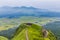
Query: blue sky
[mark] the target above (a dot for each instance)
(44, 4)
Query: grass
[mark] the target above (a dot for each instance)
(34, 32)
(3, 38)
(46, 39)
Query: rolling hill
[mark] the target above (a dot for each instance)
(30, 31)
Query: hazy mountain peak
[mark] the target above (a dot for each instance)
(30, 7)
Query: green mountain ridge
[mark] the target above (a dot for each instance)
(29, 31)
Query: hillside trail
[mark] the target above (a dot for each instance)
(26, 32)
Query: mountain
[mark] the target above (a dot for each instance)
(12, 12)
(30, 31)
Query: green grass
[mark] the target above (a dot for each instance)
(3, 38)
(34, 32)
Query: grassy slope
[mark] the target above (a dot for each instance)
(3, 38)
(34, 32)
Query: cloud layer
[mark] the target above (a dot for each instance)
(45, 4)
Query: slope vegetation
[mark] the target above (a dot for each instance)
(3, 38)
(30, 31)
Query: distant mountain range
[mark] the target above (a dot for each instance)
(12, 12)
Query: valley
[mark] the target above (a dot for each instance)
(8, 26)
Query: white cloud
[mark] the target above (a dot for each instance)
(48, 4)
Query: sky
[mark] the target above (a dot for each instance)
(43, 4)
